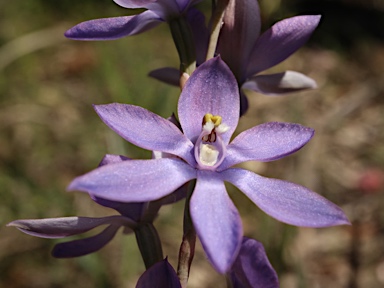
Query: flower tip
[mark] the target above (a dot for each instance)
(315, 19)
(216, 59)
(339, 218)
(70, 34)
(312, 131)
(20, 225)
(67, 34)
(72, 186)
(313, 85)
(13, 224)
(344, 220)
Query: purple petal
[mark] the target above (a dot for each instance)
(252, 268)
(146, 129)
(163, 8)
(287, 202)
(130, 210)
(160, 275)
(176, 196)
(65, 226)
(266, 142)
(243, 103)
(111, 158)
(280, 83)
(113, 28)
(280, 41)
(167, 75)
(200, 33)
(133, 211)
(216, 220)
(238, 35)
(212, 88)
(185, 4)
(134, 4)
(135, 180)
(85, 246)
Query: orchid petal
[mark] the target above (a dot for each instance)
(252, 268)
(65, 226)
(216, 220)
(185, 4)
(111, 158)
(200, 33)
(146, 129)
(165, 9)
(243, 103)
(135, 180)
(130, 210)
(266, 142)
(212, 88)
(287, 202)
(176, 196)
(280, 41)
(134, 4)
(241, 28)
(114, 27)
(167, 75)
(159, 275)
(279, 83)
(84, 246)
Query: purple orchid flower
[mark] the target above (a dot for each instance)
(251, 268)
(158, 11)
(247, 53)
(160, 275)
(208, 111)
(131, 216)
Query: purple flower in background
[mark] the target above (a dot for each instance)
(160, 275)
(158, 11)
(251, 268)
(208, 112)
(248, 53)
(131, 216)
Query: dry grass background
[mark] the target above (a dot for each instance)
(50, 134)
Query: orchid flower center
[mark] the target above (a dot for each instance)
(209, 148)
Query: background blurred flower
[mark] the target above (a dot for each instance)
(251, 268)
(248, 53)
(158, 11)
(161, 275)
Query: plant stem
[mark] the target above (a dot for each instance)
(149, 244)
(182, 37)
(187, 247)
(217, 19)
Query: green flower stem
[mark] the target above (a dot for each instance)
(187, 247)
(182, 36)
(217, 19)
(149, 244)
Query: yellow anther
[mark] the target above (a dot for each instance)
(215, 119)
